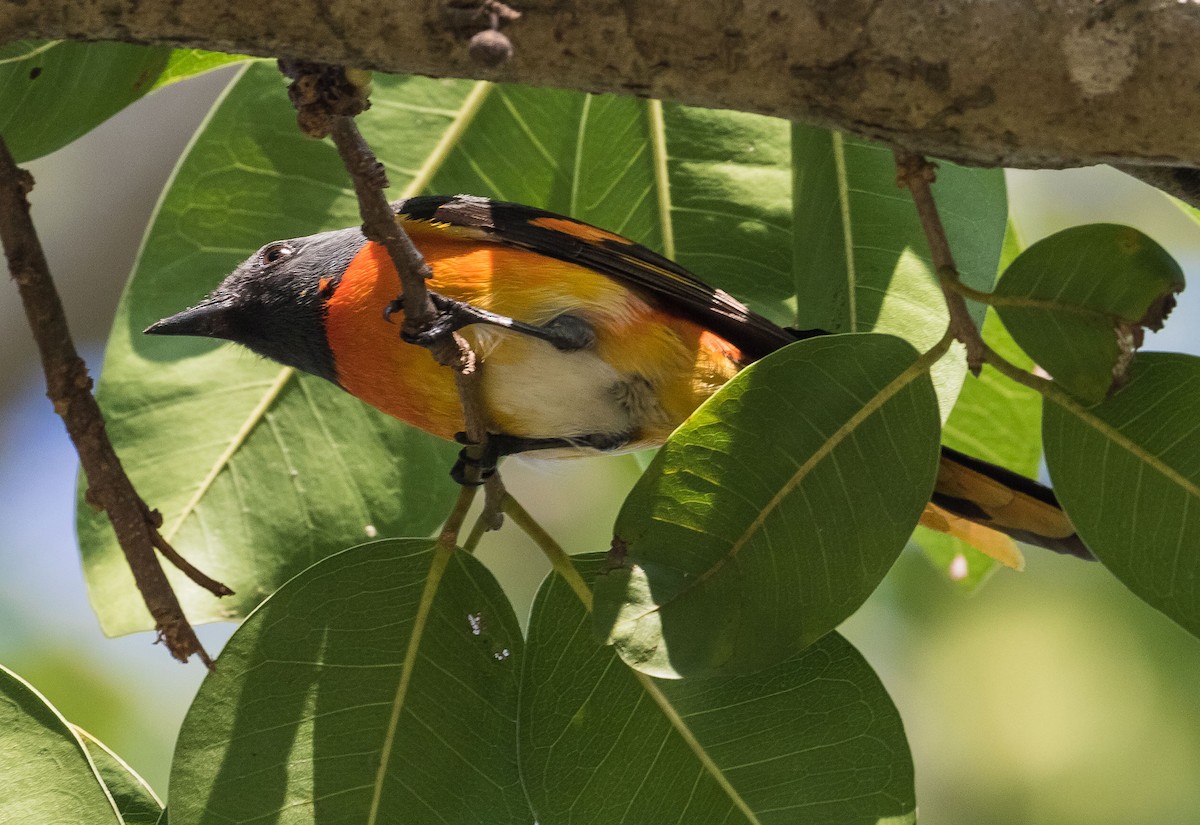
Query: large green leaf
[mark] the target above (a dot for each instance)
(1077, 302)
(45, 772)
(861, 261)
(259, 471)
(53, 92)
(135, 800)
(775, 510)
(709, 189)
(812, 739)
(357, 693)
(1127, 471)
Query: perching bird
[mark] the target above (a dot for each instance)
(589, 341)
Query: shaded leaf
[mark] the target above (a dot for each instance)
(774, 510)
(814, 738)
(45, 772)
(861, 262)
(136, 801)
(53, 92)
(354, 694)
(1078, 300)
(1127, 472)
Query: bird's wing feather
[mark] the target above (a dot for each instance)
(675, 289)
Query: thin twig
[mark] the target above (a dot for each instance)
(448, 538)
(327, 99)
(916, 174)
(475, 536)
(69, 386)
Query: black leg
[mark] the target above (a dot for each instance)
(500, 445)
(566, 332)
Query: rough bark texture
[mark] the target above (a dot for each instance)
(1031, 83)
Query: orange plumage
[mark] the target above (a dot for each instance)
(647, 371)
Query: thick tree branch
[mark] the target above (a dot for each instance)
(1027, 83)
(69, 388)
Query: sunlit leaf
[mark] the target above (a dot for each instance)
(185, 63)
(744, 543)
(354, 694)
(706, 188)
(1077, 302)
(861, 260)
(814, 738)
(1127, 471)
(53, 92)
(45, 772)
(135, 800)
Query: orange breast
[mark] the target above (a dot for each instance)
(681, 362)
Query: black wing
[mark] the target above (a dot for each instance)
(567, 239)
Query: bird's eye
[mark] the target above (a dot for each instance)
(274, 253)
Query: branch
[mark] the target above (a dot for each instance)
(1114, 80)
(917, 175)
(69, 388)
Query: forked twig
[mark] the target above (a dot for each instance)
(917, 174)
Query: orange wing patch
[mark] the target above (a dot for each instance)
(578, 230)
(1005, 506)
(987, 541)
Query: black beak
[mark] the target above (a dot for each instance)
(209, 319)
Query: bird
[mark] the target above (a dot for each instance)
(591, 343)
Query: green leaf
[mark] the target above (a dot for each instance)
(185, 63)
(774, 510)
(861, 262)
(135, 800)
(994, 419)
(45, 771)
(258, 471)
(1077, 301)
(707, 188)
(54, 92)
(357, 693)
(814, 738)
(1127, 472)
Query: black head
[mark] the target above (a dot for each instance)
(274, 302)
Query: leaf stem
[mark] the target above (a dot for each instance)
(476, 534)
(559, 560)
(448, 538)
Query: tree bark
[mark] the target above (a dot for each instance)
(1027, 83)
